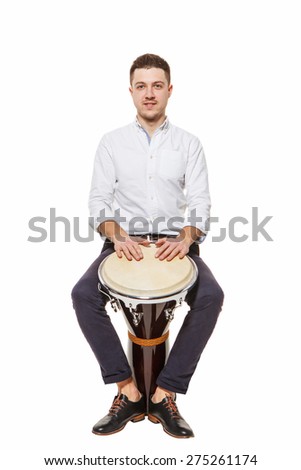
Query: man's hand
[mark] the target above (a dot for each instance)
(129, 247)
(123, 243)
(168, 248)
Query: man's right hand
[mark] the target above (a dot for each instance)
(123, 243)
(129, 247)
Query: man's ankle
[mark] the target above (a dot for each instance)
(161, 393)
(128, 388)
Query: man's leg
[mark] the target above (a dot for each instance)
(95, 323)
(205, 301)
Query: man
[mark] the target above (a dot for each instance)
(150, 177)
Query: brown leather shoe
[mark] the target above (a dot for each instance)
(167, 413)
(121, 412)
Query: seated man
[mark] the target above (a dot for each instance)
(154, 172)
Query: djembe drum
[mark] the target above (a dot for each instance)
(147, 292)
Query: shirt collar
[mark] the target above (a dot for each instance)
(164, 126)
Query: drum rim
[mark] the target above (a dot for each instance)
(144, 297)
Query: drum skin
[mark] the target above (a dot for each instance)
(148, 278)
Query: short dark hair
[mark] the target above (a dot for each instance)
(147, 61)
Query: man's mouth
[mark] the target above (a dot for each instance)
(149, 104)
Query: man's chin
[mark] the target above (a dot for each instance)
(151, 116)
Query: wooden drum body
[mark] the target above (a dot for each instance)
(147, 291)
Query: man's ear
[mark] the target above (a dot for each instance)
(131, 90)
(170, 88)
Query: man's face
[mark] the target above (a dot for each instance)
(150, 92)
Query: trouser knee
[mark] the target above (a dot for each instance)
(85, 294)
(217, 296)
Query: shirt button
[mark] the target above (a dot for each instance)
(151, 156)
(150, 177)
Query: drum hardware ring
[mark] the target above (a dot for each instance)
(169, 312)
(169, 315)
(136, 315)
(114, 302)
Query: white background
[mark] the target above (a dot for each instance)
(236, 75)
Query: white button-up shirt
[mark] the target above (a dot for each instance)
(150, 185)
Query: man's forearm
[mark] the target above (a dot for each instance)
(190, 234)
(112, 230)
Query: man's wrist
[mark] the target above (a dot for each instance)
(190, 234)
(113, 231)
(120, 237)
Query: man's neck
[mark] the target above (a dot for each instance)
(151, 126)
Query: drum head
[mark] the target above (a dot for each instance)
(149, 277)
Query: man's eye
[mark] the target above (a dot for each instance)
(158, 86)
(140, 86)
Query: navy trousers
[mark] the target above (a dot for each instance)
(205, 301)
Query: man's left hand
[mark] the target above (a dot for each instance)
(168, 248)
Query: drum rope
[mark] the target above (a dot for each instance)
(148, 342)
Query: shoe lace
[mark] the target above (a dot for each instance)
(172, 407)
(117, 405)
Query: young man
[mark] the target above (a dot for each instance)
(156, 172)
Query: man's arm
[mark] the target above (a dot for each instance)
(198, 206)
(102, 185)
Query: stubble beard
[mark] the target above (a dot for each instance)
(154, 117)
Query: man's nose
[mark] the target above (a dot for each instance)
(149, 92)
